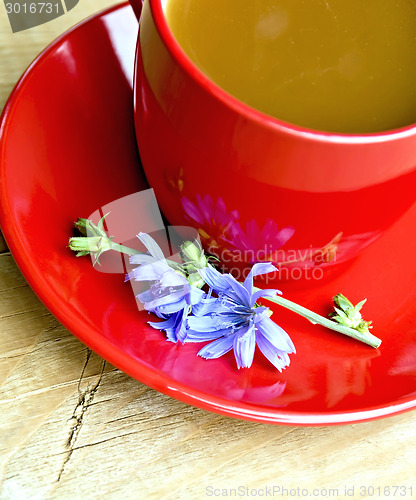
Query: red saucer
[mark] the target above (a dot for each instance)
(68, 148)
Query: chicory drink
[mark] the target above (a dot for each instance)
(335, 65)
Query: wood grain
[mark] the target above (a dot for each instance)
(72, 426)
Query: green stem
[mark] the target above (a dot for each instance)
(122, 249)
(315, 318)
(131, 251)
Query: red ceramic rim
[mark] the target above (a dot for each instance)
(187, 65)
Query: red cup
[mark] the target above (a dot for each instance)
(256, 188)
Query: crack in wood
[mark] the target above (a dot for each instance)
(85, 398)
(88, 445)
(12, 288)
(14, 356)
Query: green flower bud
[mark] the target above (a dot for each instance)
(193, 256)
(94, 242)
(349, 315)
(196, 280)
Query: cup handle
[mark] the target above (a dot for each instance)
(137, 7)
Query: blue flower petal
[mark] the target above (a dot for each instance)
(217, 348)
(171, 335)
(212, 305)
(237, 291)
(214, 279)
(141, 258)
(256, 270)
(225, 283)
(222, 283)
(151, 245)
(167, 304)
(244, 345)
(211, 323)
(275, 335)
(261, 313)
(181, 330)
(228, 285)
(207, 305)
(151, 272)
(169, 327)
(172, 278)
(195, 295)
(278, 358)
(262, 268)
(145, 297)
(162, 325)
(263, 293)
(194, 336)
(174, 326)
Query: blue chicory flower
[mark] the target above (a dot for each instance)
(170, 296)
(233, 320)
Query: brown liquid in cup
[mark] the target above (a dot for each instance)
(335, 65)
